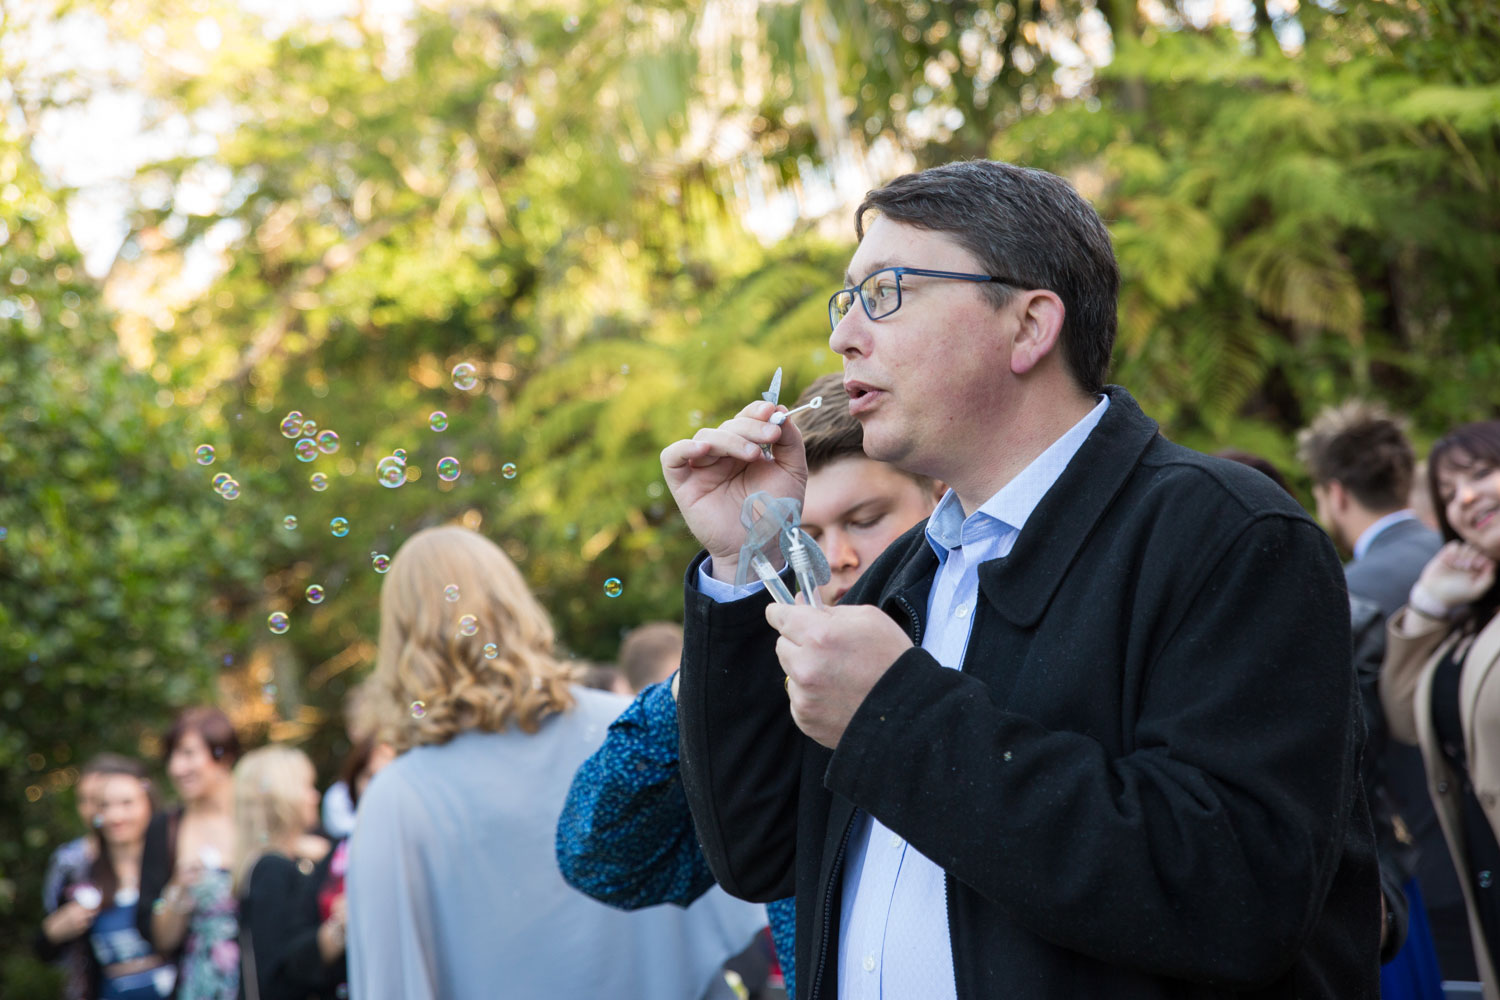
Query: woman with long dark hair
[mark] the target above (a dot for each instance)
(1439, 684)
(101, 908)
(188, 907)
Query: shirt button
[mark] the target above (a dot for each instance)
(962, 611)
(896, 840)
(869, 963)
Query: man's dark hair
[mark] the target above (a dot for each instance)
(1365, 448)
(1026, 225)
(831, 432)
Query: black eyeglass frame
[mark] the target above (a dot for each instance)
(854, 292)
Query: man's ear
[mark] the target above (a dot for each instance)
(938, 489)
(1040, 314)
(1338, 496)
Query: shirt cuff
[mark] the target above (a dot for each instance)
(718, 591)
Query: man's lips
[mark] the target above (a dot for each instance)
(862, 395)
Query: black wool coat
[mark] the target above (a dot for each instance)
(1144, 782)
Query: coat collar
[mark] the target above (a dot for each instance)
(1021, 585)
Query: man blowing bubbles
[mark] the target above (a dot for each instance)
(1090, 730)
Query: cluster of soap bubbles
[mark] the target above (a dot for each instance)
(310, 443)
(226, 486)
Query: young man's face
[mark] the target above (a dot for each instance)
(854, 508)
(929, 379)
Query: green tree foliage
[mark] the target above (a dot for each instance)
(115, 578)
(561, 195)
(1296, 228)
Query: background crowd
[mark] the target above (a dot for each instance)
(625, 216)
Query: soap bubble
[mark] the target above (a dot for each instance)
(450, 593)
(613, 587)
(318, 481)
(289, 522)
(438, 421)
(314, 594)
(309, 427)
(491, 651)
(291, 424)
(391, 471)
(418, 709)
(339, 526)
(231, 490)
(219, 482)
(205, 453)
(328, 442)
(508, 470)
(278, 622)
(447, 469)
(399, 453)
(463, 376)
(468, 625)
(380, 562)
(306, 449)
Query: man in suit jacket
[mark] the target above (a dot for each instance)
(1362, 467)
(1092, 729)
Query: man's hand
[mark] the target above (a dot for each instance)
(832, 657)
(711, 474)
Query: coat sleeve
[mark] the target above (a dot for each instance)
(625, 836)
(740, 750)
(1411, 639)
(390, 945)
(1205, 851)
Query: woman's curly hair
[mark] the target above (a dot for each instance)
(425, 657)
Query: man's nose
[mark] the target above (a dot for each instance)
(840, 553)
(851, 337)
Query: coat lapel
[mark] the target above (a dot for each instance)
(1021, 584)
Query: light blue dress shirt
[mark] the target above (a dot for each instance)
(893, 922)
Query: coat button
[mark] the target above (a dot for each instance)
(1486, 878)
(1442, 787)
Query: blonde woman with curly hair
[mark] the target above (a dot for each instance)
(288, 953)
(453, 887)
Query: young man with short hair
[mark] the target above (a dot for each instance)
(625, 836)
(1090, 731)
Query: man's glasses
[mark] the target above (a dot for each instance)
(880, 293)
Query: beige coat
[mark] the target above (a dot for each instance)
(1416, 644)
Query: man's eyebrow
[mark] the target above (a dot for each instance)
(879, 265)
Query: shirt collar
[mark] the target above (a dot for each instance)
(1011, 507)
(1367, 537)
